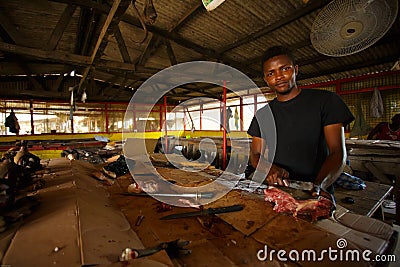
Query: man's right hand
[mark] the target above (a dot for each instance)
(277, 175)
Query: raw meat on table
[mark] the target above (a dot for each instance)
(284, 202)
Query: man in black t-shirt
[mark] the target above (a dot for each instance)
(309, 127)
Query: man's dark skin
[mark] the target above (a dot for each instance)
(394, 126)
(280, 75)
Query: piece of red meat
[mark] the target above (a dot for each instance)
(284, 202)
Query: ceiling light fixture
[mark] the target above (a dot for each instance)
(212, 4)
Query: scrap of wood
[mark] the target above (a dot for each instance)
(374, 152)
(367, 225)
(255, 214)
(372, 143)
(388, 165)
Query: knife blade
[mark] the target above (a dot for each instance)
(299, 190)
(197, 195)
(301, 185)
(209, 211)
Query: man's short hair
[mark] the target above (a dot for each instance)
(277, 51)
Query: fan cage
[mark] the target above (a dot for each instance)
(375, 20)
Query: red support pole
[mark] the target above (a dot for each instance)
(72, 124)
(161, 117)
(165, 123)
(134, 120)
(337, 88)
(241, 114)
(31, 111)
(201, 117)
(106, 111)
(255, 104)
(224, 127)
(184, 120)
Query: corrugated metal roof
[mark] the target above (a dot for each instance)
(57, 36)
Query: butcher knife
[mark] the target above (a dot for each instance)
(196, 195)
(301, 185)
(299, 190)
(209, 211)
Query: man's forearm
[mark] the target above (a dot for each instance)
(260, 163)
(330, 170)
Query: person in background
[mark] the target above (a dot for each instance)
(12, 123)
(309, 127)
(236, 117)
(387, 131)
(228, 117)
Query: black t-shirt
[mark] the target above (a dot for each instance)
(300, 143)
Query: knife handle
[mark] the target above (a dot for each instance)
(206, 195)
(224, 209)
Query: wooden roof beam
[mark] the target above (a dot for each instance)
(121, 45)
(198, 7)
(56, 56)
(108, 85)
(55, 37)
(151, 46)
(155, 41)
(87, 23)
(62, 57)
(172, 36)
(60, 27)
(170, 52)
(114, 16)
(10, 34)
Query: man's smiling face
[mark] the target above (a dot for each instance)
(280, 74)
